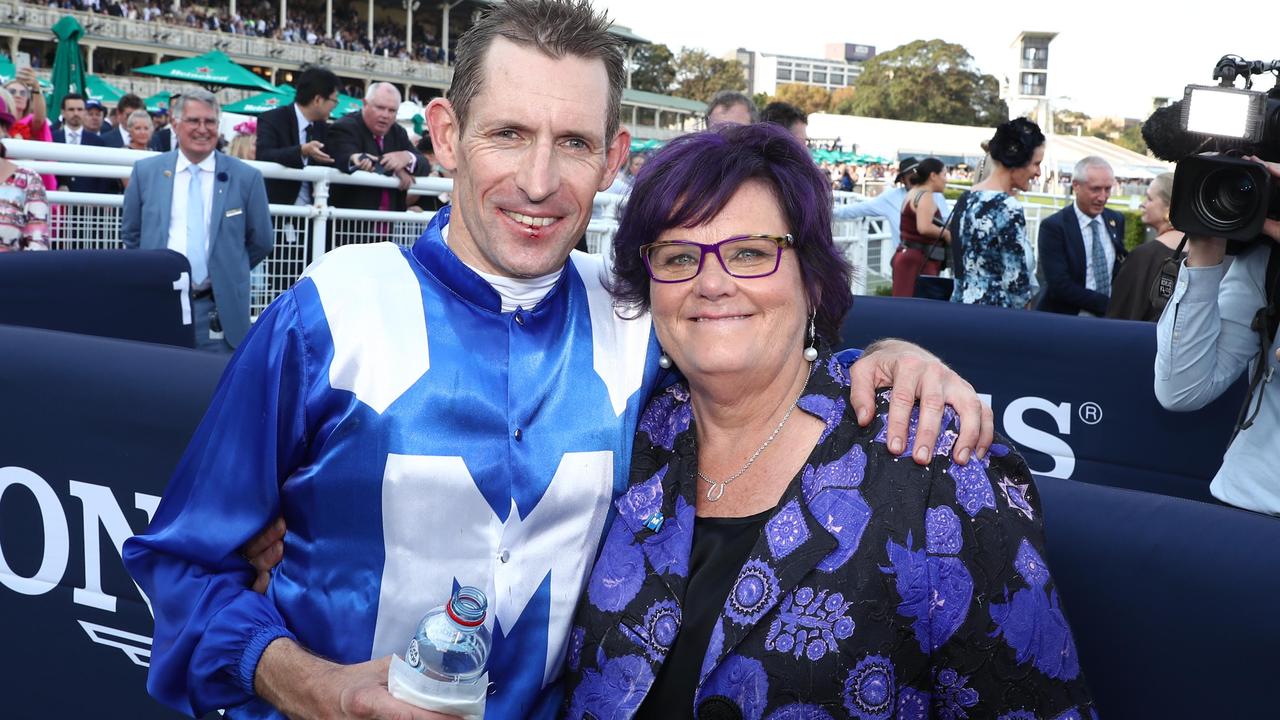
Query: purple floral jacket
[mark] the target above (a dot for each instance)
(878, 589)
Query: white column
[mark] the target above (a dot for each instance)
(408, 26)
(328, 18)
(371, 25)
(88, 60)
(233, 8)
(444, 34)
(284, 18)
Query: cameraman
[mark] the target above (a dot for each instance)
(1205, 339)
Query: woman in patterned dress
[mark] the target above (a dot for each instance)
(24, 211)
(772, 558)
(997, 262)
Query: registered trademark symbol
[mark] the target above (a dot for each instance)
(1090, 413)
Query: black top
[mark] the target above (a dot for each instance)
(1132, 297)
(720, 547)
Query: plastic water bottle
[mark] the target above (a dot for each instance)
(444, 666)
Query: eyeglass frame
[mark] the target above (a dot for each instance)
(783, 241)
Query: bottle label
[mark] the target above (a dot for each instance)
(412, 657)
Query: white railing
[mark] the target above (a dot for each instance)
(304, 233)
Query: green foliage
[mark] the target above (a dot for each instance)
(842, 101)
(1069, 122)
(653, 69)
(700, 75)
(1135, 233)
(809, 98)
(929, 81)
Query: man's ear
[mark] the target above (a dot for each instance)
(615, 157)
(442, 123)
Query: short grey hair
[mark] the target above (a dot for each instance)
(730, 98)
(375, 87)
(1082, 167)
(199, 95)
(139, 115)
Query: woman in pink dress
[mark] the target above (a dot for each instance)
(31, 119)
(24, 211)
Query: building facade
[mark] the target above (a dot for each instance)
(840, 68)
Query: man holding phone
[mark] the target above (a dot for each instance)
(372, 141)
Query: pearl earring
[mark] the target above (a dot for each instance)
(664, 362)
(811, 352)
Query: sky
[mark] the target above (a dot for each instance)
(1109, 62)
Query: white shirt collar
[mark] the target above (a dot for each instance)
(303, 122)
(1083, 219)
(208, 164)
(515, 292)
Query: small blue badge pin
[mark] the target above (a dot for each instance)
(654, 521)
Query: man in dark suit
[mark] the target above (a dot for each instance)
(163, 138)
(74, 132)
(295, 135)
(370, 140)
(118, 136)
(1082, 245)
(210, 207)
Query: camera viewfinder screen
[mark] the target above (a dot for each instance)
(1223, 113)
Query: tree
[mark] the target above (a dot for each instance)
(1070, 122)
(929, 81)
(700, 75)
(809, 98)
(653, 69)
(842, 101)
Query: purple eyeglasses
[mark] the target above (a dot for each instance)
(742, 256)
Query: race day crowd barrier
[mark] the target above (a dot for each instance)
(1074, 394)
(1167, 596)
(304, 233)
(132, 296)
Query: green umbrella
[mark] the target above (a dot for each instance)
(98, 89)
(9, 72)
(157, 102)
(213, 70)
(283, 95)
(346, 105)
(262, 102)
(68, 66)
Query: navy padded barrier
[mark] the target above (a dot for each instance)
(127, 294)
(93, 429)
(1172, 601)
(1095, 375)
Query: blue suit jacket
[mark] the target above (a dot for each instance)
(239, 227)
(1062, 259)
(85, 184)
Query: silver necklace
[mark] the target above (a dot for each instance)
(716, 489)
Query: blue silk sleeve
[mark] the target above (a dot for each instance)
(210, 627)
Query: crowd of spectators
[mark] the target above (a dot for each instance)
(262, 19)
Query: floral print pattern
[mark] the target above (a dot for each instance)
(995, 252)
(877, 589)
(24, 212)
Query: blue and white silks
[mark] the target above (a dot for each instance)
(413, 436)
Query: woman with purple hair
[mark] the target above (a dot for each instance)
(771, 558)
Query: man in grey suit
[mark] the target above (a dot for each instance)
(207, 206)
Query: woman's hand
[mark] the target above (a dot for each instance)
(916, 375)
